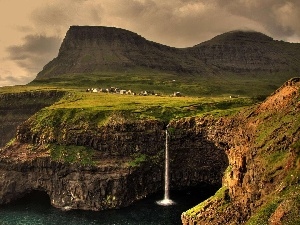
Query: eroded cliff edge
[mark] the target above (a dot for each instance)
(110, 166)
(261, 184)
(16, 108)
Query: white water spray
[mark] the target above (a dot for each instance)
(166, 201)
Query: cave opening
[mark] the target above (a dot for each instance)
(193, 195)
(37, 198)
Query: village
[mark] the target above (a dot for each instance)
(115, 90)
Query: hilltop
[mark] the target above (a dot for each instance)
(248, 52)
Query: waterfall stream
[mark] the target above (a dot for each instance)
(166, 201)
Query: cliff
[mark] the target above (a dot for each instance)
(108, 167)
(15, 108)
(261, 184)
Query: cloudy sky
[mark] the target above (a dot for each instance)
(32, 30)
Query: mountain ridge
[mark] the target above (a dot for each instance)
(87, 49)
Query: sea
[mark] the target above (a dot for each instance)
(35, 209)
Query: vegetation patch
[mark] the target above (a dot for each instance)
(137, 160)
(221, 196)
(96, 109)
(263, 214)
(141, 79)
(10, 143)
(72, 154)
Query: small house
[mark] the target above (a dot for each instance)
(177, 94)
(122, 92)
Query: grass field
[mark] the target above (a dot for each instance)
(202, 94)
(84, 109)
(226, 84)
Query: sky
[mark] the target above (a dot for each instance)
(32, 30)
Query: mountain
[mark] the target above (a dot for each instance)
(90, 49)
(248, 52)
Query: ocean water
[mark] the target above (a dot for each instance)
(35, 209)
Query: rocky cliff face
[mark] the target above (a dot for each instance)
(127, 165)
(261, 184)
(15, 108)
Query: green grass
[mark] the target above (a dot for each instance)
(251, 85)
(267, 131)
(96, 109)
(219, 195)
(289, 201)
(71, 154)
(137, 160)
(27, 88)
(261, 217)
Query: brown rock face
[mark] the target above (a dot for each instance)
(196, 156)
(262, 179)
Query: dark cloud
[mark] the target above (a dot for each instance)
(187, 21)
(25, 29)
(134, 8)
(178, 23)
(51, 14)
(7, 78)
(279, 17)
(59, 15)
(35, 52)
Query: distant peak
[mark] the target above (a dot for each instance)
(247, 34)
(240, 36)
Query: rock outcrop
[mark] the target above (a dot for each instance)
(127, 162)
(263, 174)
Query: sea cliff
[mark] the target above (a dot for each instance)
(261, 184)
(121, 162)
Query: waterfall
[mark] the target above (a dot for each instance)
(166, 200)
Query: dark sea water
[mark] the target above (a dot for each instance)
(36, 210)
